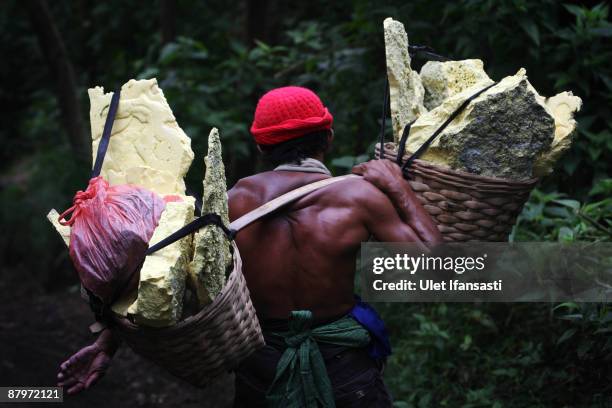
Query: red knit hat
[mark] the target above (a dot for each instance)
(287, 113)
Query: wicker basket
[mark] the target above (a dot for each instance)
(466, 206)
(204, 345)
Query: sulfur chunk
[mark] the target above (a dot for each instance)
(211, 247)
(62, 230)
(149, 149)
(159, 302)
(406, 91)
(147, 146)
(563, 107)
(444, 79)
(499, 134)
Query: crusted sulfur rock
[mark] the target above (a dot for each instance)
(406, 91)
(563, 106)
(444, 79)
(161, 289)
(147, 147)
(499, 134)
(211, 247)
(62, 230)
(123, 304)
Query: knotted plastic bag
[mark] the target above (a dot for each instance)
(110, 230)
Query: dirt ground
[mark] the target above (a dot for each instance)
(38, 331)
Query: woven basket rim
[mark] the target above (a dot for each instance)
(477, 177)
(210, 309)
(464, 175)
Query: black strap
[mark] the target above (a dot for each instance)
(402, 144)
(448, 120)
(105, 139)
(383, 120)
(206, 219)
(425, 51)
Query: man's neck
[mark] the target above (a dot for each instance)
(320, 157)
(308, 165)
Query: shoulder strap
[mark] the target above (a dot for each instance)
(106, 133)
(240, 223)
(283, 200)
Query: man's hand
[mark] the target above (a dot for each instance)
(384, 174)
(388, 178)
(88, 365)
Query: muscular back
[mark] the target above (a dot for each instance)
(303, 256)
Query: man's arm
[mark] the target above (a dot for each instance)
(88, 365)
(413, 218)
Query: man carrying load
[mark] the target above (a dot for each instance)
(300, 262)
(323, 346)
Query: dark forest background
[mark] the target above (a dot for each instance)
(213, 59)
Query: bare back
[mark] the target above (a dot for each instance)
(303, 256)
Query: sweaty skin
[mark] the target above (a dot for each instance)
(303, 257)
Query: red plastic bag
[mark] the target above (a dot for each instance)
(111, 229)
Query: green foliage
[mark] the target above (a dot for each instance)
(465, 355)
(456, 355)
(554, 217)
(316, 55)
(499, 355)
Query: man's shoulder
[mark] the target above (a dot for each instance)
(270, 184)
(256, 189)
(253, 191)
(254, 181)
(356, 188)
(245, 195)
(256, 185)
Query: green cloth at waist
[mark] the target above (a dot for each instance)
(301, 378)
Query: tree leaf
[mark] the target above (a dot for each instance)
(573, 204)
(532, 30)
(566, 335)
(575, 10)
(566, 234)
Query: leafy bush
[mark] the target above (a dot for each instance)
(499, 355)
(554, 217)
(489, 355)
(456, 355)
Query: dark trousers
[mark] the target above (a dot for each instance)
(356, 378)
